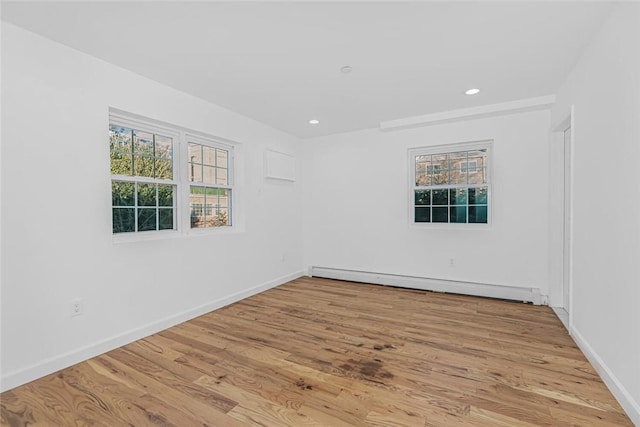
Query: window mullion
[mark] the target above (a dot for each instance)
(135, 206)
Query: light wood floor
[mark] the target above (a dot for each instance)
(328, 353)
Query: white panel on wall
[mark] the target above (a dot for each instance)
(279, 166)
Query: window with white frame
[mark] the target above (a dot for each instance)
(209, 189)
(153, 165)
(451, 184)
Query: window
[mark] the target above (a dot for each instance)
(209, 190)
(146, 179)
(450, 184)
(142, 180)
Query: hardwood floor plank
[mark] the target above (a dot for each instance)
(320, 352)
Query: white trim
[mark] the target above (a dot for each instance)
(622, 395)
(515, 293)
(209, 142)
(128, 117)
(22, 376)
(483, 111)
(134, 121)
(562, 315)
(181, 139)
(571, 211)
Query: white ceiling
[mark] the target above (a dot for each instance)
(279, 63)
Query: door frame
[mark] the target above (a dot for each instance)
(567, 250)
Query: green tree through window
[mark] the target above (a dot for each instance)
(141, 164)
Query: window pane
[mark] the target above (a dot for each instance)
(458, 196)
(439, 176)
(196, 203)
(146, 194)
(457, 177)
(219, 218)
(197, 220)
(440, 214)
(478, 160)
(164, 169)
(221, 176)
(440, 197)
(458, 172)
(195, 153)
(143, 166)
(222, 158)
(423, 178)
(146, 219)
(478, 214)
(195, 172)
(440, 161)
(423, 197)
(478, 196)
(197, 216)
(208, 156)
(422, 169)
(209, 175)
(166, 219)
(164, 147)
(210, 198)
(458, 161)
(143, 143)
(422, 214)
(210, 207)
(121, 164)
(120, 139)
(458, 214)
(478, 177)
(123, 220)
(165, 195)
(223, 198)
(122, 193)
(479, 156)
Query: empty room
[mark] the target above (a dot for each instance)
(313, 213)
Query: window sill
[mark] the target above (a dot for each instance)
(172, 234)
(449, 226)
(197, 232)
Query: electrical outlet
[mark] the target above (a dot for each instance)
(77, 307)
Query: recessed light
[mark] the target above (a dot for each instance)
(472, 91)
(314, 122)
(346, 69)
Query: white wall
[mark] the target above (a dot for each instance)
(56, 222)
(356, 204)
(604, 88)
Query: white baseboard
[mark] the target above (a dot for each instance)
(439, 285)
(16, 378)
(622, 395)
(563, 316)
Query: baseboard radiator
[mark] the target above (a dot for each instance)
(515, 293)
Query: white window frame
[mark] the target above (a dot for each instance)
(443, 149)
(181, 137)
(212, 142)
